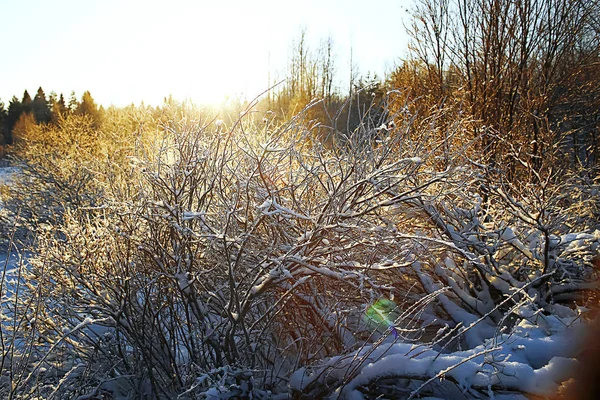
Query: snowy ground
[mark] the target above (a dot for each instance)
(8, 265)
(10, 260)
(7, 174)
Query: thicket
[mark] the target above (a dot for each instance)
(525, 72)
(198, 258)
(422, 236)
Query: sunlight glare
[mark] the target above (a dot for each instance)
(196, 54)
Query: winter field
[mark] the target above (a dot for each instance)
(190, 257)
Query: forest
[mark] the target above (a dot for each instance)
(433, 233)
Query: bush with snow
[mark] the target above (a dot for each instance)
(247, 260)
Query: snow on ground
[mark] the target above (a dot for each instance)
(8, 262)
(9, 275)
(9, 271)
(7, 174)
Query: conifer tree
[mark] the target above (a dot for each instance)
(41, 107)
(15, 109)
(26, 102)
(73, 103)
(58, 107)
(88, 107)
(2, 119)
(61, 103)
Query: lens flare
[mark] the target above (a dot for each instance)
(381, 315)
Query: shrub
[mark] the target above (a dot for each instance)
(248, 260)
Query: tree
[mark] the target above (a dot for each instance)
(310, 76)
(73, 103)
(41, 107)
(511, 65)
(58, 107)
(309, 90)
(3, 113)
(429, 31)
(24, 125)
(26, 102)
(88, 107)
(15, 109)
(327, 70)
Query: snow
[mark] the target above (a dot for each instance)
(269, 204)
(510, 237)
(188, 215)
(7, 174)
(9, 272)
(7, 177)
(495, 329)
(527, 360)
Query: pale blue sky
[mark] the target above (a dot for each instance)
(126, 51)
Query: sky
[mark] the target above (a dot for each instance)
(129, 51)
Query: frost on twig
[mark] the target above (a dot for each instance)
(238, 260)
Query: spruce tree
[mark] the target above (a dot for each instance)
(58, 107)
(61, 104)
(26, 102)
(2, 120)
(41, 107)
(15, 109)
(73, 103)
(88, 107)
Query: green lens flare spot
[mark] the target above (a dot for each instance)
(381, 313)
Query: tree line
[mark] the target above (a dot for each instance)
(43, 109)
